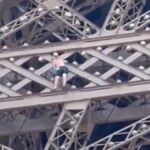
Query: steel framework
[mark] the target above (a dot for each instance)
(132, 137)
(107, 63)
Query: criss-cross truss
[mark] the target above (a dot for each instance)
(105, 78)
(130, 137)
(109, 57)
(120, 14)
(140, 23)
(100, 68)
(137, 74)
(66, 129)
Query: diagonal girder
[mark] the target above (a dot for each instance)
(52, 26)
(74, 20)
(17, 24)
(26, 73)
(2, 147)
(121, 12)
(8, 91)
(37, 33)
(26, 19)
(137, 24)
(29, 76)
(120, 65)
(138, 130)
(57, 22)
(71, 18)
(46, 4)
(70, 22)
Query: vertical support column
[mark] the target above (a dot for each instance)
(66, 129)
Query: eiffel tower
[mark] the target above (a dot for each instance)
(106, 48)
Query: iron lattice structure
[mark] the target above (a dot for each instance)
(107, 65)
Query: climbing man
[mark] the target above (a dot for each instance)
(60, 71)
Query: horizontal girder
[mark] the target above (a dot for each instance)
(76, 45)
(132, 112)
(75, 95)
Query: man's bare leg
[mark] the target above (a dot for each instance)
(64, 79)
(56, 81)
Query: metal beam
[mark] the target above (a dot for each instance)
(27, 18)
(121, 13)
(84, 8)
(84, 28)
(75, 95)
(81, 30)
(87, 76)
(26, 125)
(76, 45)
(2, 147)
(120, 65)
(138, 24)
(26, 73)
(138, 130)
(132, 112)
(71, 117)
(17, 24)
